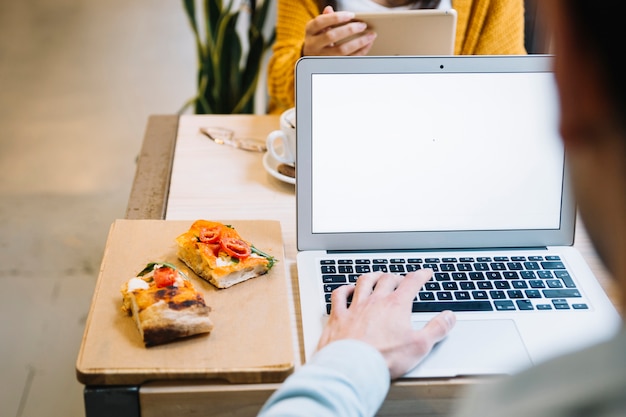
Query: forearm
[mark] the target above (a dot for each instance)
(346, 378)
(290, 25)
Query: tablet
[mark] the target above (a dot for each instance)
(412, 32)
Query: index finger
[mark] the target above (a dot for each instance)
(412, 282)
(329, 20)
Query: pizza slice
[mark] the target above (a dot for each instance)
(218, 254)
(165, 305)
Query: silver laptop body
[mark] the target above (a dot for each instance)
(444, 162)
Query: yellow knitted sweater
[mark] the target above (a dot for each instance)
(484, 27)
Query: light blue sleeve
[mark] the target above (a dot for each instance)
(345, 378)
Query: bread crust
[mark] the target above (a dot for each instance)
(166, 314)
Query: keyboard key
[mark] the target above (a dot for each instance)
(531, 265)
(426, 296)
(554, 283)
(427, 307)
(481, 266)
(480, 295)
(502, 285)
(449, 286)
(485, 285)
(442, 276)
(444, 295)
(567, 279)
(524, 305)
(553, 265)
(532, 293)
(515, 266)
(493, 275)
(497, 266)
(362, 269)
(331, 287)
(497, 295)
(447, 267)
(464, 267)
(334, 279)
(504, 305)
(564, 293)
(467, 285)
(462, 295)
(475, 276)
(329, 269)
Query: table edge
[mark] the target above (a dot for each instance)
(150, 189)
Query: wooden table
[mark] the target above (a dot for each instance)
(234, 185)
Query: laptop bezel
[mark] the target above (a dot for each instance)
(415, 240)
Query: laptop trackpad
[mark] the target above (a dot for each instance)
(475, 347)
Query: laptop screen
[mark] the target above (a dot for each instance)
(420, 151)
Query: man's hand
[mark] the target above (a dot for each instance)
(380, 315)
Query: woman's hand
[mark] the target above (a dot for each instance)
(334, 33)
(380, 315)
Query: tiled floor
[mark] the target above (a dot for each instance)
(78, 80)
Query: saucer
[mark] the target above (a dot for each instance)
(271, 166)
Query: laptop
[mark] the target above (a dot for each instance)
(452, 163)
(412, 32)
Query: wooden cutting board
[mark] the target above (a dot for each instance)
(251, 341)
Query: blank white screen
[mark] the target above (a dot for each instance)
(430, 152)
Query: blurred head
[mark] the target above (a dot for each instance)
(588, 47)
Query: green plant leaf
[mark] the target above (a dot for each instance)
(227, 75)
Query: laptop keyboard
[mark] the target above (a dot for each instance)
(500, 283)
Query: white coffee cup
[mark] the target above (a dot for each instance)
(281, 144)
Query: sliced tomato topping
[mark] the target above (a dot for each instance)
(210, 234)
(236, 247)
(164, 277)
(210, 248)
